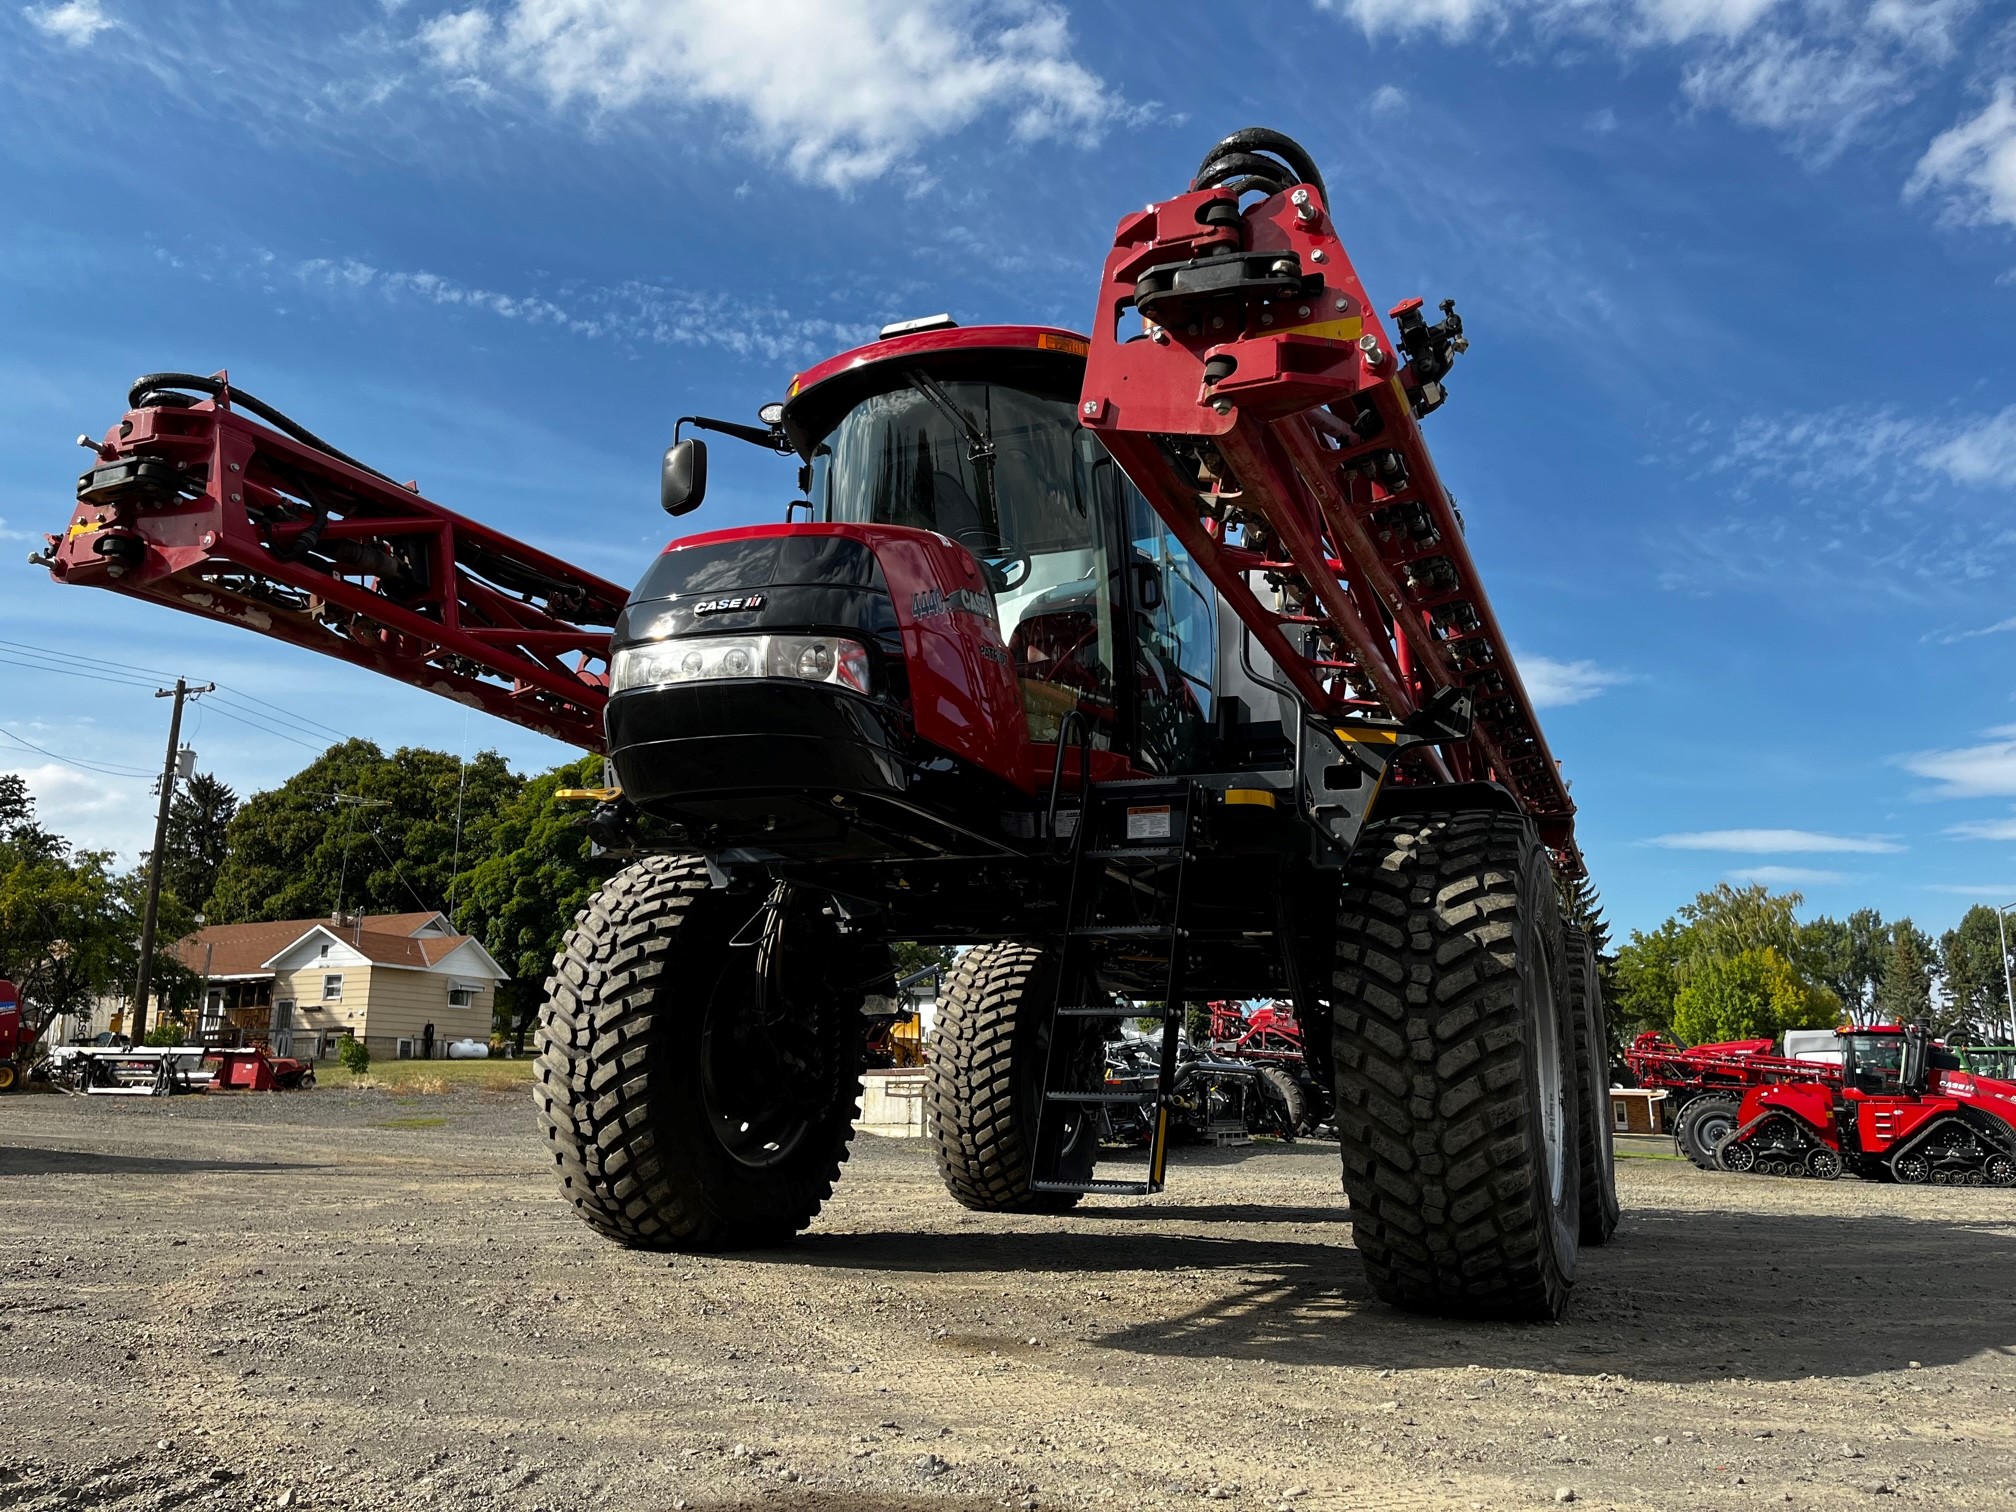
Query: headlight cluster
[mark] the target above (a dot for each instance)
(705, 658)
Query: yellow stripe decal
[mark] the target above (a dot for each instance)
(1258, 797)
(1328, 330)
(1367, 736)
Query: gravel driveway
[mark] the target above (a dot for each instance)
(355, 1300)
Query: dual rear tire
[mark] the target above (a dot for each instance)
(1461, 1095)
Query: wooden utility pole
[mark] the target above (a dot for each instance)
(179, 692)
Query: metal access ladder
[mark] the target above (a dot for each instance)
(1128, 857)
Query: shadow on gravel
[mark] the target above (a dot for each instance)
(1224, 1212)
(1677, 1296)
(29, 1160)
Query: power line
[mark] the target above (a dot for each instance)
(70, 664)
(278, 734)
(82, 766)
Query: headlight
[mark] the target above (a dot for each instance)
(705, 658)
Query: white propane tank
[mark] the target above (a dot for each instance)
(468, 1049)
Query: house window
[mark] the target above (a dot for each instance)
(462, 995)
(325, 950)
(1620, 1113)
(332, 987)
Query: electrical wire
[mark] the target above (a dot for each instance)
(307, 745)
(68, 664)
(132, 773)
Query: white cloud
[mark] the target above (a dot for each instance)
(841, 90)
(1783, 84)
(92, 812)
(1974, 889)
(75, 22)
(1984, 829)
(1815, 71)
(1985, 451)
(1973, 165)
(1771, 842)
(1553, 684)
(1987, 770)
(634, 311)
(1388, 99)
(1454, 19)
(1786, 876)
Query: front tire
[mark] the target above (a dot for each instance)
(984, 1101)
(1456, 1101)
(684, 1108)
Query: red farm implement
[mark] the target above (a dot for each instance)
(1153, 666)
(1705, 1084)
(1900, 1109)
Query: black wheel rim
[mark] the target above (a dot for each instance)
(759, 1104)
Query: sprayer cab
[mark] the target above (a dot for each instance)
(894, 676)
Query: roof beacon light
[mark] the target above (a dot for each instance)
(922, 323)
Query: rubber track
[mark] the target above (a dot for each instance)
(602, 1046)
(1439, 1146)
(971, 1110)
(1589, 1016)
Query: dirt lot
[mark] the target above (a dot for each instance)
(354, 1299)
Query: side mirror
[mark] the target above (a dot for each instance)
(682, 478)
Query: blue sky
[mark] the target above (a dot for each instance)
(1735, 441)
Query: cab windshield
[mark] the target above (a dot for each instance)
(1010, 475)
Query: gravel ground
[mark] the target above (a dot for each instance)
(353, 1300)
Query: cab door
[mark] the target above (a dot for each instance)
(1172, 617)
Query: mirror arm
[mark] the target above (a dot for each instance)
(770, 438)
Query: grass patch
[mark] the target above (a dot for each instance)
(410, 1123)
(422, 1077)
(1646, 1155)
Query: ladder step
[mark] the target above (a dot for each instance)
(1116, 1098)
(1175, 786)
(1099, 1188)
(1136, 853)
(1126, 931)
(1104, 1010)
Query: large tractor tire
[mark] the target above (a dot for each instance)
(696, 1094)
(1596, 1147)
(984, 1102)
(1456, 1090)
(1703, 1124)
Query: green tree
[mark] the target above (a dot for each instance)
(379, 831)
(1847, 955)
(1647, 976)
(69, 924)
(198, 825)
(1753, 994)
(1582, 909)
(520, 897)
(1728, 921)
(1971, 968)
(1904, 995)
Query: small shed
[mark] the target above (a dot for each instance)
(1638, 1110)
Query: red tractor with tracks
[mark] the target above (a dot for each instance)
(1901, 1108)
(1149, 667)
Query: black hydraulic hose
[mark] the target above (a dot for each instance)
(1258, 139)
(212, 387)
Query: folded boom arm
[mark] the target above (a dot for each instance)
(195, 506)
(1272, 421)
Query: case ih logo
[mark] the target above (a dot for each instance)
(958, 601)
(728, 605)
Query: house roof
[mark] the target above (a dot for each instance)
(236, 950)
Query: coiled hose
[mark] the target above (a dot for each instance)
(1257, 158)
(157, 388)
